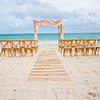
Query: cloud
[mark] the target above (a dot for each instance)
(80, 16)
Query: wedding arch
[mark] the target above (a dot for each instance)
(49, 22)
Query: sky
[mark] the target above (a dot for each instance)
(82, 16)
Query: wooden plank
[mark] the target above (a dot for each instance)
(51, 56)
(48, 52)
(48, 60)
(49, 74)
(47, 65)
(44, 58)
(43, 68)
(40, 61)
(49, 79)
(43, 71)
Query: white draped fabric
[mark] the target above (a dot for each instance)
(49, 22)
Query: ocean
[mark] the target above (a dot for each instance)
(49, 38)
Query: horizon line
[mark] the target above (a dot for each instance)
(50, 33)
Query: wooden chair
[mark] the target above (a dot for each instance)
(90, 45)
(27, 46)
(35, 45)
(73, 44)
(62, 45)
(16, 47)
(80, 46)
(67, 47)
(5, 47)
(97, 47)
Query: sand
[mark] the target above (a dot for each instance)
(84, 73)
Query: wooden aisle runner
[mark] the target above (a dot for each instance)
(48, 67)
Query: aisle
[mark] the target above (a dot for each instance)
(48, 67)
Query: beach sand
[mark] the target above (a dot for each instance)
(84, 83)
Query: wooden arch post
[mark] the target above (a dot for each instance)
(58, 32)
(35, 31)
(62, 36)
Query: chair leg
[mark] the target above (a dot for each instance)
(76, 52)
(94, 51)
(24, 53)
(67, 51)
(35, 50)
(64, 52)
(1, 52)
(87, 51)
(71, 52)
(32, 53)
(16, 52)
(83, 52)
(8, 53)
(20, 53)
(98, 52)
(12, 53)
(59, 48)
(4, 52)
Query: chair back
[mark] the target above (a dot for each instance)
(27, 43)
(73, 42)
(80, 42)
(91, 42)
(62, 42)
(5, 44)
(15, 43)
(67, 43)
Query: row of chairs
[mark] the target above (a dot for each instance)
(21, 47)
(79, 45)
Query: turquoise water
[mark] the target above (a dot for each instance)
(49, 38)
